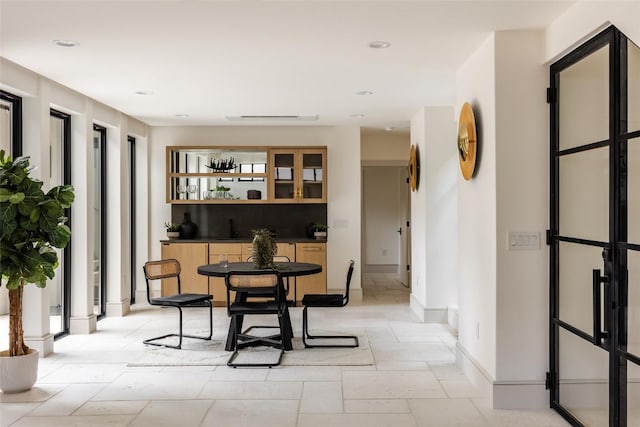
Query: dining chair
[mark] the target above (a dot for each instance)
(248, 284)
(169, 269)
(327, 300)
(282, 258)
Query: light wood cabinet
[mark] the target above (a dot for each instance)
(193, 255)
(315, 253)
(298, 175)
(190, 256)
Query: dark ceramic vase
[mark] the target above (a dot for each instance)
(188, 229)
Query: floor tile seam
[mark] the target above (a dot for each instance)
(481, 412)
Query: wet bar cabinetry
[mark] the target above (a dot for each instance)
(248, 174)
(192, 255)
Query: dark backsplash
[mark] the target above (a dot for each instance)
(219, 221)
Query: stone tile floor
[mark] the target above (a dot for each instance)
(414, 381)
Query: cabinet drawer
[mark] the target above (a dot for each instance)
(225, 248)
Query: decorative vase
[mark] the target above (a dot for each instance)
(18, 373)
(264, 248)
(188, 229)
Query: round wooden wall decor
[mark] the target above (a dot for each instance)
(414, 168)
(467, 141)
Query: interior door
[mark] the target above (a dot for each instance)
(595, 267)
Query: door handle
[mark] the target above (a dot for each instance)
(598, 333)
(400, 231)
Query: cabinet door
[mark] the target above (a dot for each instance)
(282, 175)
(317, 283)
(298, 175)
(190, 256)
(312, 178)
(233, 252)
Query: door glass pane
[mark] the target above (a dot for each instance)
(584, 384)
(312, 175)
(56, 286)
(633, 307)
(97, 218)
(283, 175)
(633, 74)
(584, 195)
(6, 122)
(633, 191)
(575, 287)
(633, 395)
(584, 101)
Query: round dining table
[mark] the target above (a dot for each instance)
(286, 269)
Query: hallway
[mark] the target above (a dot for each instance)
(413, 382)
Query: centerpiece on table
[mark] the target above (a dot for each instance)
(264, 248)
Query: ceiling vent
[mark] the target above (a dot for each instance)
(272, 118)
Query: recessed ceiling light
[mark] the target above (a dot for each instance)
(364, 92)
(379, 44)
(144, 92)
(66, 43)
(356, 116)
(182, 115)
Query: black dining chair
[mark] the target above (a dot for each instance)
(169, 269)
(281, 259)
(327, 300)
(247, 285)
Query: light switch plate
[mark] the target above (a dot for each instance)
(523, 240)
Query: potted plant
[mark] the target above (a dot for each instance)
(173, 230)
(32, 225)
(264, 248)
(320, 231)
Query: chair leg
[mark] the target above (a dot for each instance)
(306, 336)
(243, 339)
(180, 335)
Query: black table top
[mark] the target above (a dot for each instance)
(286, 269)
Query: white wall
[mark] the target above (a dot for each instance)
(343, 180)
(522, 191)
(379, 147)
(476, 82)
(585, 19)
(434, 215)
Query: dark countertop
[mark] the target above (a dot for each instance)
(242, 240)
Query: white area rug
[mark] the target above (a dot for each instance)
(212, 353)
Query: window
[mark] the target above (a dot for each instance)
(100, 221)
(10, 124)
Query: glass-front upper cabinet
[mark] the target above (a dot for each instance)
(298, 175)
(216, 175)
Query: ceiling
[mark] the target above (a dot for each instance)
(214, 59)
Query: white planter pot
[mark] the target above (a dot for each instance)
(18, 373)
(320, 234)
(173, 234)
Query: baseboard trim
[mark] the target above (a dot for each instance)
(83, 325)
(43, 344)
(502, 394)
(118, 309)
(427, 315)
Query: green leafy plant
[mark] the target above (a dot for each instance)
(32, 225)
(171, 226)
(264, 248)
(320, 227)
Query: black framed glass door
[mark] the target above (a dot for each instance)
(595, 212)
(99, 267)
